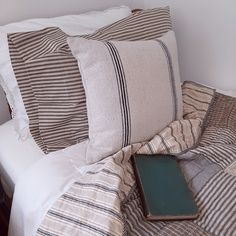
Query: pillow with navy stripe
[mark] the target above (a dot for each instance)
(49, 78)
(132, 90)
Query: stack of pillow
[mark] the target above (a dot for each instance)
(71, 25)
(117, 86)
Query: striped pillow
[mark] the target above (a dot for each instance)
(197, 99)
(49, 78)
(132, 89)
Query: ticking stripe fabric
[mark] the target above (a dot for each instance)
(47, 75)
(49, 78)
(102, 182)
(79, 210)
(177, 137)
(216, 202)
(225, 114)
(182, 135)
(231, 169)
(133, 90)
(197, 99)
(172, 78)
(123, 93)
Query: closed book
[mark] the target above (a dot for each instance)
(164, 191)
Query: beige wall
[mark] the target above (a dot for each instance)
(206, 34)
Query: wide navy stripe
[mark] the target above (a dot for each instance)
(123, 94)
(76, 221)
(120, 95)
(172, 77)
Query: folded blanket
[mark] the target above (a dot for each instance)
(105, 199)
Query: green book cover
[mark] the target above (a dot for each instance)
(164, 191)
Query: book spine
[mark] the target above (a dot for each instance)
(140, 188)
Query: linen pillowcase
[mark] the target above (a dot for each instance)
(133, 90)
(71, 24)
(49, 78)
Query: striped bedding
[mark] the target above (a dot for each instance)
(105, 201)
(49, 78)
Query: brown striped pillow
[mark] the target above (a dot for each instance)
(49, 78)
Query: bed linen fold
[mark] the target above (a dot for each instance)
(59, 195)
(102, 199)
(41, 184)
(105, 200)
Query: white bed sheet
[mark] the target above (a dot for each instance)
(37, 180)
(15, 155)
(39, 187)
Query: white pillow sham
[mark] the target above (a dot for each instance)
(71, 25)
(132, 89)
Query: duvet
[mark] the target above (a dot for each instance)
(103, 199)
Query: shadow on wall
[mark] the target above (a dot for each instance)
(206, 36)
(4, 110)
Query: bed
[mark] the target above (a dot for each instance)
(72, 175)
(11, 164)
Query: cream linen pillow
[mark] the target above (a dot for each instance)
(49, 78)
(81, 24)
(132, 89)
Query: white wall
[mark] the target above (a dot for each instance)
(206, 35)
(206, 32)
(14, 10)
